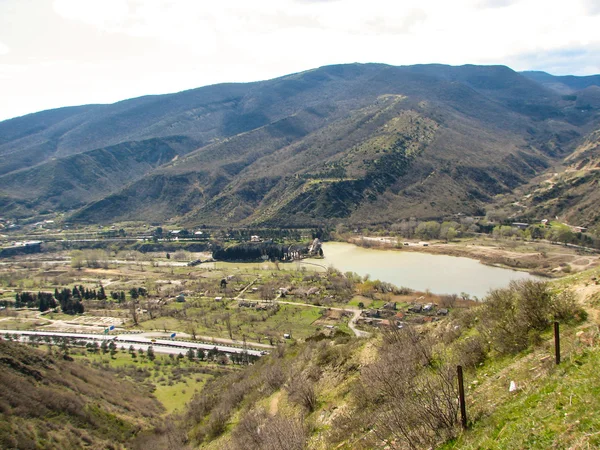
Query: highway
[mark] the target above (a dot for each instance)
(139, 342)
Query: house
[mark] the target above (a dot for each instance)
(416, 308)
(218, 299)
(180, 298)
(520, 225)
(287, 336)
(312, 291)
(442, 312)
(428, 307)
(254, 239)
(390, 305)
(372, 313)
(244, 304)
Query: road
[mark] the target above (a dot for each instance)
(139, 342)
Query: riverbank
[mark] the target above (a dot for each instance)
(536, 258)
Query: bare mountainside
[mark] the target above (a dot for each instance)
(359, 143)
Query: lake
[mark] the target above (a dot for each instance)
(420, 271)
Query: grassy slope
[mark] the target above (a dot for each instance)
(47, 402)
(553, 407)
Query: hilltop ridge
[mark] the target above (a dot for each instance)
(362, 143)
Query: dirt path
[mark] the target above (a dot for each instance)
(274, 403)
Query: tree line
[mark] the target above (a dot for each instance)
(69, 300)
(257, 251)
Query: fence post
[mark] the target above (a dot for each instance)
(461, 397)
(557, 343)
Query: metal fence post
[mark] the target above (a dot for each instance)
(557, 343)
(461, 397)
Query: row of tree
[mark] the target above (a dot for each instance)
(81, 292)
(69, 300)
(42, 300)
(258, 251)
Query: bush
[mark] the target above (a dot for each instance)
(514, 318)
(565, 308)
(470, 352)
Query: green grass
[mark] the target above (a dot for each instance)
(16, 324)
(208, 321)
(558, 411)
(360, 299)
(172, 394)
(175, 396)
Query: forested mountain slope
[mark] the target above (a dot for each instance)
(359, 143)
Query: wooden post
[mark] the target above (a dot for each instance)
(461, 398)
(556, 343)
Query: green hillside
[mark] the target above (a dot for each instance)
(47, 402)
(398, 389)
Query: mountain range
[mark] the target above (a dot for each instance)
(354, 143)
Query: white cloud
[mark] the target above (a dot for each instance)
(103, 50)
(100, 13)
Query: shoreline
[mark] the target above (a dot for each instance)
(536, 258)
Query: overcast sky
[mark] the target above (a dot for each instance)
(68, 52)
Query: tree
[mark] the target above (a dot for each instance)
(133, 309)
(428, 230)
(450, 234)
(200, 354)
(150, 354)
(190, 354)
(227, 320)
(77, 259)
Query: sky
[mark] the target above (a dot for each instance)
(57, 53)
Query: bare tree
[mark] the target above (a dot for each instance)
(414, 394)
(302, 392)
(259, 431)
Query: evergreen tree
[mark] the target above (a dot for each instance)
(190, 354)
(150, 354)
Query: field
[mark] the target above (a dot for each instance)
(255, 303)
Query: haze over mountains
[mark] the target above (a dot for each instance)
(359, 143)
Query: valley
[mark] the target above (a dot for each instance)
(303, 262)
